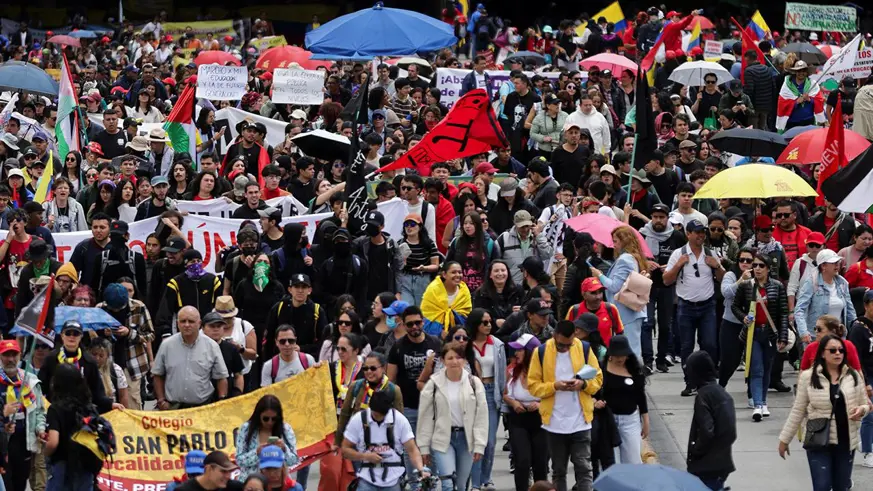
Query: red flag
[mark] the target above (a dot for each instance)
(833, 158)
(470, 128)
(748, 43)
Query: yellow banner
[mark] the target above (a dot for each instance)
(268, 42)
(152, 444)
(217, 27)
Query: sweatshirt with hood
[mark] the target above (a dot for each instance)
(714, 423)
(290, 259)
(596, 124)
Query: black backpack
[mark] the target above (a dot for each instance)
(93, 442)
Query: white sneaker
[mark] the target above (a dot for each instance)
(758, 415)
(867, 460)
(765, 411)
(742, 367)
(751, 403)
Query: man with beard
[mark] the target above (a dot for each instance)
(662, 240)
(789, 233)
(117, 260)
(341, 273)
(293, 257)
(25, 426)
(86, 255)
(253, 204)
(581, 257)
(166, 268)
(255, 156)
(158, 203)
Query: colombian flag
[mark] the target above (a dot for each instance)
(648, 65)
(694, 40)
(612, 13)
(758, 26)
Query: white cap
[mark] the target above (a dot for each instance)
(676, 218)
(813, 37)
(827, 256)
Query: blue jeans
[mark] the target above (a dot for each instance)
(455, 463)
(630, 428)
(660, 303)
(366, 486)
(482, 469)
(698, 317)
(762, 363)
(303, 476)
(867, 433)
(412, 287)
(714, 483)
(78, 481)
(411, 415)
(830, 468)
(633, 331)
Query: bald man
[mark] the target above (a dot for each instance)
(189, 370)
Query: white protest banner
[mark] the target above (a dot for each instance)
(811, 17)
(849, 61)
(295, 86)
(210, 234)
(221, 83)
(231, 116)
(449, 82)
(712, 50)
(221, 208)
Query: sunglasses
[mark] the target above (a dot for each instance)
(406, 188)
(339, 164)
(486, 323)
(460, 337)
(745, 260)
(579, 79)
(71, 160)
(783, 215)
(73, 334)
(834, 351)
(414, 324)
(287, 341)
(814, 246)
(759, 265)
(344, 323)
(571, 87)
(370, 369)
(767, 230)
(820, 329)
(716, 230)
(696, 270)
(410, 224)
(342, 349)
(711, 82)
(562, 346)
(269, 419)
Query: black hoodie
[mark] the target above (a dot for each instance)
(714, 424)
(289, 260)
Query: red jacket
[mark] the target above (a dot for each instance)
(445, 213)
(672, 33)
(851, 355)
(858, 275)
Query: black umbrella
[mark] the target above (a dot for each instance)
(807, 53)
(323, 145)
(526, 58)
(749, 142)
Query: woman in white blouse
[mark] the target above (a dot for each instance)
(144, 109)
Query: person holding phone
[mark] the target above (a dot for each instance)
(265, 428)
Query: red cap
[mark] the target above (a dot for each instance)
(118, 89)
(591, 284)
(9, 345)
(763, 221)
(735, 34)
(775, 34)
(49, 34)
(169, 81)
(680, 53)
(673, 13)
(697, 50)
(814, 43)
(228, 39)
(95, 148)
(468, 185)
(95, 97)
(168, 39)
(670, 54)
(485, 168)
(105, 40)
(266, 76)
(815, 238)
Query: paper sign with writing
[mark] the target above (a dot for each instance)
(221, 83)
(712, 50)
(294, 86)
(820, 17)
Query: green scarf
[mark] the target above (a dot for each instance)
(44, 270)
(261, 276)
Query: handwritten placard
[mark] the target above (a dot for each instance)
(295, 86)
(221, 83)
(712, 50)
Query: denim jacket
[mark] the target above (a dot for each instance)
(813, 299)
(614, 280)
(247, 450)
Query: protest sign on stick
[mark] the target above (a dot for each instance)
(221, 83)
(295, 86)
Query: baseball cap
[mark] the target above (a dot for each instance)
(118, 227)
(815, 238)
(522, 218)
(213, 318)
(687, 144)
(588, 322)
(827, 256)
(300, 279)
(9, 345)
(14, 173)
(271, 457)
(592, 284)
(661, 207)
(676, 218)
(538, 306)
(375, 218)
(270, 212)
(763, 222)
(735, 86)
(29, 151)
(694, 226)
(158, 180)
(194, 462)
(298, 114)
(72, 325)
(175, 244)
(396, 308)
(485, 168)
(868, 296)
(533, 265)
(525, 341)
(220, 460)
(508, 186)
(552, 99)
(609, 169)
(191, 254)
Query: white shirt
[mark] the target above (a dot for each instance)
(693, 215)
(486, 361)
(241, 329)
(689, 286)
(480, 80)
(378, 439)
(597, 125)
(567, 416)
(453, 390)
(516, 390)
(835, 303)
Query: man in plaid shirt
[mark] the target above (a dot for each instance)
(132, 341)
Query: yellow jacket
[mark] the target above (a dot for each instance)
(541, 378)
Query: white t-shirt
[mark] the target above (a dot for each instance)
(429, 220)
(454, 394)
(486, 361)
(516, 390)
(378, 439)
(567, 416)
(480, 81)
(835, 303)
(241, 329)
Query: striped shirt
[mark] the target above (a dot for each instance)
(420, 254)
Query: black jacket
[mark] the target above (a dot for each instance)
(576, 274)
(25, 294)
(845, 231)
(759, 85)
(861, 334)
(309, 321)
(182, 291)
(469, 83)
(499, 305)
(777, 306)
(714, 423)
(89, 371)
(162, 273)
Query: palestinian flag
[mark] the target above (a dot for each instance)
(851, 188)
(67, 125)
(180, 125)
(789, 96)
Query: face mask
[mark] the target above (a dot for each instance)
(342, 249)
(391, 321)
(195, 271)
(372, 230)
(261, 276)
(249, 251)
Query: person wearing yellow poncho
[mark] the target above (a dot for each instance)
(446, 302)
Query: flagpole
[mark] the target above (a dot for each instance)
(744, 35)
(630, 196)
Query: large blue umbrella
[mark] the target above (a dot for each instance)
(91, 318)
(83, 34)
(648, 477)
(380, 31)
(789, 134)
(19, 75)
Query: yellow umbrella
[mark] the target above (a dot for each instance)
(755, 181)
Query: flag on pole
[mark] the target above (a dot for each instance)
(646, 140)
(758, 26)
(834, 156)
(37, 318)
(180, 124)
(648, 65)
(748, 44)
(612, 13)
(356, 182)
(694, 40)
(67, 124)
(44, 184)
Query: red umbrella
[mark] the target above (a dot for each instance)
(609, 61)
(67, 40)
(600, 227)
(703, 21)
(216, 57)
(284, 56)
(807, 147)
(828, 49)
